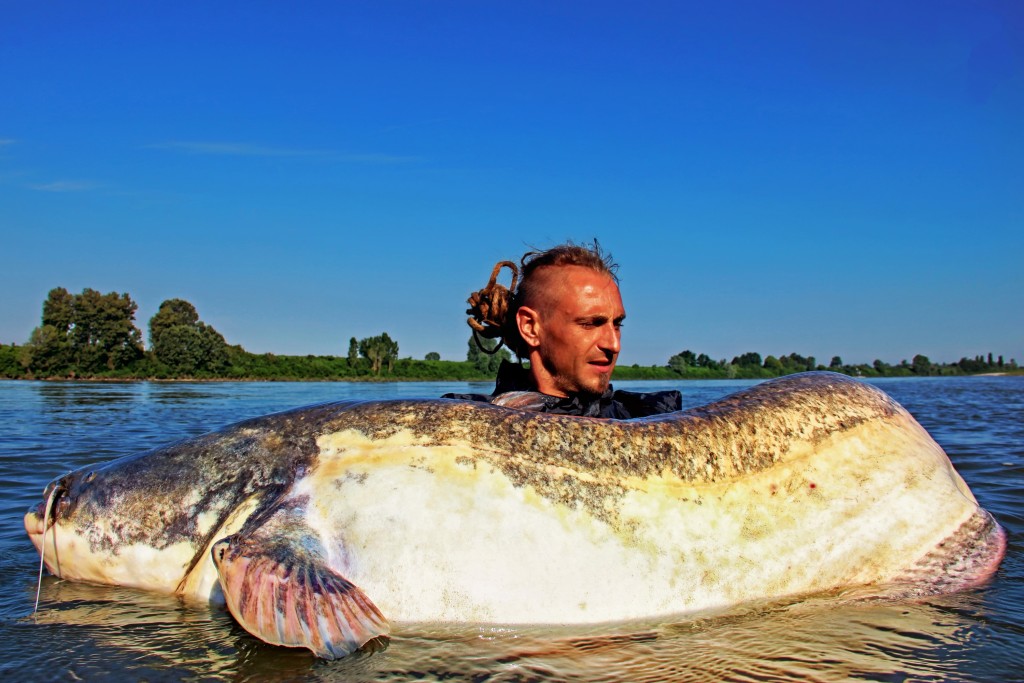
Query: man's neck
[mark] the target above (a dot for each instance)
(517, 377)
(543, 380)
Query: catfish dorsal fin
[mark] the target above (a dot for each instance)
(279, 587)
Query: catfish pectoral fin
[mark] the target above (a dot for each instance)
(294, 598)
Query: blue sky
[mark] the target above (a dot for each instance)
(825, 178)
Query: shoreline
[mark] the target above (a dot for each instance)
(393, 380)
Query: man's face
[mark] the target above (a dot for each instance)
(577, 331)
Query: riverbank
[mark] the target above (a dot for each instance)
(241, 366)
(646, 374)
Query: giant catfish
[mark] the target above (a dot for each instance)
(321, 526)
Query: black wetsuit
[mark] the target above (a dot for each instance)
(615, 404)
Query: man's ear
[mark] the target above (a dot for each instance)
(528, 322)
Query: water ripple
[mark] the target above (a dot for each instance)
(101, 633)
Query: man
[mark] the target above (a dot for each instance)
(565, 318)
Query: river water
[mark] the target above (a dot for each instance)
(93, 633)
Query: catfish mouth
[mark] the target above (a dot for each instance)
(34, 526)
(42, 516)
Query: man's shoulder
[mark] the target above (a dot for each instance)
(646, 403)
(483, 398)
(620, 404)
(514, 388)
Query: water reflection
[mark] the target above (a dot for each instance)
(77, 395)
(827, 638)
(104, 633)
(180, 396)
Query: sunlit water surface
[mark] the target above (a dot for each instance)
(92, 633)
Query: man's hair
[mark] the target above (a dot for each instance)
(493, 308)
(568, 254)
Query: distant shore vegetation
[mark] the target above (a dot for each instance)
(94, 336)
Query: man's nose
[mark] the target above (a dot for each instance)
(611, 338)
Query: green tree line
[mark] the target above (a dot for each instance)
(690, 365)
(94, 336)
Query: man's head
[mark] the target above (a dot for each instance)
(568, 314)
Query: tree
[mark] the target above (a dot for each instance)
(59, 310)
(748, 359)
(353, 352)
(433, 355)
(103, 333)
(184, 343)
(390, 350)
(836, 363)
(774, 364)
(179, 348)
(681, 361)
(379, 350)
(48, 352)
(921, 365)
(187, 350)
(85, 333)
(172, 313)
(9, 361)
(370, 349)
(704, 361)
(215, 353)
(486, 363)
(970, 366)
(794, 362)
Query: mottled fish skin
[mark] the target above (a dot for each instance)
(179, 497)
(447, 510)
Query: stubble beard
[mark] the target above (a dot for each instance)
(598, 386)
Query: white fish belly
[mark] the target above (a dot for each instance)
(73, 556)
(485, 551)
(436, 533)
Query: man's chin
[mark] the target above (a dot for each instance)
(599, 384)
